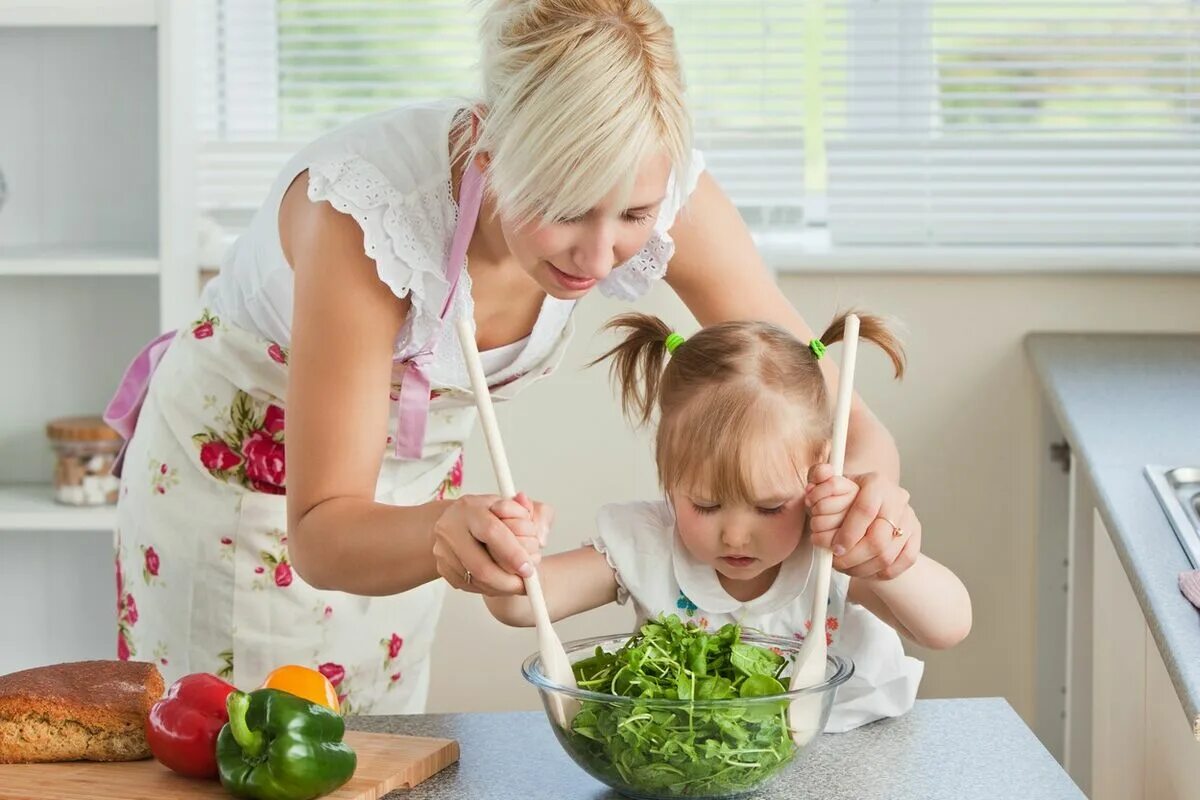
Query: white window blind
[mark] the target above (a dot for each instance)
(1044, 123)
(880, 128)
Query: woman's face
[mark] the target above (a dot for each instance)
(568, 257)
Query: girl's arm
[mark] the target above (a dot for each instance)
(572, 582)
(927, 603)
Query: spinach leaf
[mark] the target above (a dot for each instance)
(685, 750)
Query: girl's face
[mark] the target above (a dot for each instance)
(568, 257)
(744, 541)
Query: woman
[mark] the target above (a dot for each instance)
(568, 174)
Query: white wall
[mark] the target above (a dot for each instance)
(966, 420)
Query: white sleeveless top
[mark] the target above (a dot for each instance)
(391, 172)
(657, 572)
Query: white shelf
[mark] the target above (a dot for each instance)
(37, 260)
(77, 13)
(31, 507)
(105, 154)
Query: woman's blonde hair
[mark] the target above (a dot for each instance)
(577, 94)
(726, 391)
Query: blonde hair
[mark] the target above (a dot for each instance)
(577, 94)
(724, 391)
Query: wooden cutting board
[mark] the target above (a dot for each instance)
(385, 762)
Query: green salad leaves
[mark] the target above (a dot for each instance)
(690, 749)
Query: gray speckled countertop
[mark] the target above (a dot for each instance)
(1125, 401)
(941, 750)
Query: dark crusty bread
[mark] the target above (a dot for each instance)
(85, 710)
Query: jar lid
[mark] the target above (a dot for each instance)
(81, 429)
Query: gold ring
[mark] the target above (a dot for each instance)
(897, 531)
(467, 577)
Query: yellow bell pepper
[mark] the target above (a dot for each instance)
(306, 683)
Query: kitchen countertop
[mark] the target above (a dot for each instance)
(1125, 401)
(941, 750)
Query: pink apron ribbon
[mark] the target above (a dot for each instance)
(412, 406)
(123, 410)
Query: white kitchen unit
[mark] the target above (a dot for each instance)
(1142, 747)
(1118, 661)
(96, 257)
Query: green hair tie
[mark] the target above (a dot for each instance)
(673, 342)
(817, 347)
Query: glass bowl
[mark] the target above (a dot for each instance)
(661, 749)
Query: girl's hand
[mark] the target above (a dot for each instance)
(533, 527)
(871, 529)
(827, 498)
(486, 544)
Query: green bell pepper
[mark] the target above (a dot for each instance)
(277, 746)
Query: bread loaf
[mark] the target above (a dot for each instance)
(85, 710)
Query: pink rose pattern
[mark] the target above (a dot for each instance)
(336, 673)
(392, 647)
(278, 354)
(451, 485)
(218, 457)
(127, 613)
(162, 477)
(275, 569)
(150, 567)
(265, 463)
(204, 327)
(249, 450)
(273, 420)
(246, 448)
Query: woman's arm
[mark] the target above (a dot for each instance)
(572, 582)
(718, 274)
(345, 324)
(928, 604)
(889, 575)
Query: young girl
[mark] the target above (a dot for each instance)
(744, 430)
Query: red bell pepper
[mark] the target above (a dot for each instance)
(182, 728)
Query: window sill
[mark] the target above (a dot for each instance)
(788, 253)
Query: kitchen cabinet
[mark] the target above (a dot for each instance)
(1118, 645)
(97, 240)
(1142, 744)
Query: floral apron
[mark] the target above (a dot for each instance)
(204, 582)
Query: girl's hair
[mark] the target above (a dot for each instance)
(725, 392)
(577, 94)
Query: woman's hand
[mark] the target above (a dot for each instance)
(485, 544)
(865, 520)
